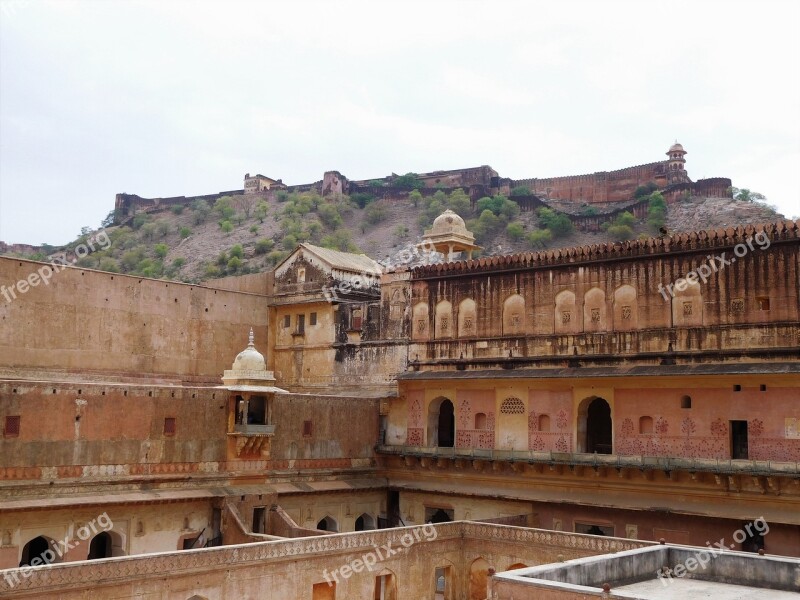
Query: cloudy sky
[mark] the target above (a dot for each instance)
(181, 98)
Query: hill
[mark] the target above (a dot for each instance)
(252, 233)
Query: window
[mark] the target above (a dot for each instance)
(762, 303)
(259, 519)
(544, 423)
(686, 402)
(312, 318)
(12, 426)
(645, 424)
(762, 387)
(301, 275)
(287, 321)
(169, 426)
(301, 324)
(480, 420)
(308, 428)
(355, 322)
(737, 388)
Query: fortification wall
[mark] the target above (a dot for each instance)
(84, 320)
(603, 186)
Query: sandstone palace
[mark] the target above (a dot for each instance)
(530, 426)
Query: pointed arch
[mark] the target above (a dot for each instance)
(467, 318)
(567, 320)
(594, 310)
(514, 315)
(443, 320)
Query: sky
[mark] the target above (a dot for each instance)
(176, 98)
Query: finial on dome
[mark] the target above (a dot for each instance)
(251, 339)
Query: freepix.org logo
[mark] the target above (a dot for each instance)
(43, 275)
(59, 548)
(714, 265)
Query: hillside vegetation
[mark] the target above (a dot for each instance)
(252, 233)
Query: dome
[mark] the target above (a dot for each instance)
(676, 147)
(448, 221)
(250, 359)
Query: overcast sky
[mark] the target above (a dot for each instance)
(182, 98)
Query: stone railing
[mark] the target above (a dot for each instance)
(48, 580)
(618, 461)
(63, 576)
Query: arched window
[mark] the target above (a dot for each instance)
(645, 424)
(566, 318)
(420, 327)
(480, 420)
(328, 523)
(514, 315)
(444, 319)
(467, 318)
(512, 406)
(364, 522)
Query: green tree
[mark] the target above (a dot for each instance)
(200, 211)
(362, 198)
(375, 213)
(234, 264)
(224, 208)
(459, 202)
(264, 245)
(620, 233)
(540, 238)
(515, 231)
(746, 195)
(226, 226)
(520, 190)
(162, 227)
(109, 264)
(161, 250)
(558, 223)
(184, 232)
(176, 209)
(415, 198)
(236, 251)
(339, 240)
(409, 181)
(329, 215)
(260, 211)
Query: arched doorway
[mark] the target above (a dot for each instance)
(478, 579)
(441, 423)
(38, 548)
(594, 426)
(100, 546)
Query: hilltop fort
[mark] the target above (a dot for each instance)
(602, 187)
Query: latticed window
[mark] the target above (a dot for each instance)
(512, 406)
(11, 428)
(169, 426)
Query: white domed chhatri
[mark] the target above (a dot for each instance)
(250, 359)
(449, 234)
(249, 371)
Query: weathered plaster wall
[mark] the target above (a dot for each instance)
(92, 321)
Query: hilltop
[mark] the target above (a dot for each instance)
(252, 233)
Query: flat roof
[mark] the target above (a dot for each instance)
(695, 589)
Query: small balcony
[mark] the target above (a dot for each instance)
(254, 429)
